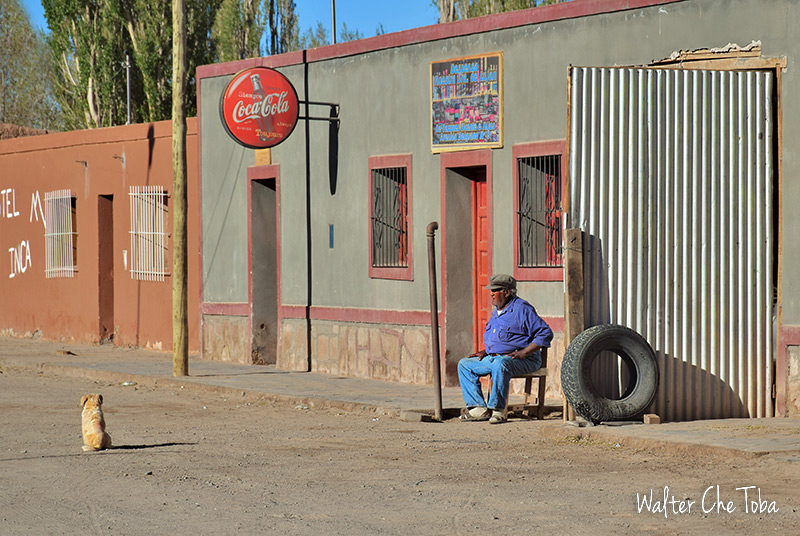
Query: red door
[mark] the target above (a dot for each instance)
(482, 302)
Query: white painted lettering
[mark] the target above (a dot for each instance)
(8, 209)
(20, 258)
(36, 208)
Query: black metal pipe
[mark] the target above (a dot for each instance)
(311, 118)
(309, 249)
(320, 103)
(437, 374)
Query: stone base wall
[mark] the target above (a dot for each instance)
(793, 387)
(292, 344)
(224, 338)
(381, 351)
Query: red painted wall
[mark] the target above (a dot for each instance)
(91, 163)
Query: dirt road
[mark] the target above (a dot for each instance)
(197, 463)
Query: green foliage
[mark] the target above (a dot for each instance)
(74, 77)
(283, 27)
(148, 26)
(238, 28)
(450, 10)
(318, 35)
(315, 37)
(200, 45)
(26, 79)
(346, 34)
(89, 40)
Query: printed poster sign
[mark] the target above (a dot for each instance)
(467, 103)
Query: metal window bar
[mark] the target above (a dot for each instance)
(389, 218)
(148, 237)
(60, 235)
(539, 215)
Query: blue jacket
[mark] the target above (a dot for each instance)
(514, 328)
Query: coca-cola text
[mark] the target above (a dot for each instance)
(274, 104)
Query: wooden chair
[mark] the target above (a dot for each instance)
(526, 407)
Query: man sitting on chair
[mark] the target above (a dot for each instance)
(512, 339)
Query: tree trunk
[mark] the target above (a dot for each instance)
(447, 10)
(249, 17)
(180, 323)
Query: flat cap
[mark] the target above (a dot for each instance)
(499, 281)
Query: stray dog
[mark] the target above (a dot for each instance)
(93, 424)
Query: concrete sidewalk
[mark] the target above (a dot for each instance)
(749, 437)
(113, 364)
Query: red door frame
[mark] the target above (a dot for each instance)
(481, 304)
(462, 159)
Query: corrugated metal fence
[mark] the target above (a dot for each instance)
(671, 181)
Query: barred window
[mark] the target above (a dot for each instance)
(148, 235)
(61, 236)
(539, 213)
(389, 218)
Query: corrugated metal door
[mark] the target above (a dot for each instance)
(671, 180)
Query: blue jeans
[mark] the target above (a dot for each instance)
(502, 368)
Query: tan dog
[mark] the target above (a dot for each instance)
(93, 424)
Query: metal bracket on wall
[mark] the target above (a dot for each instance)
(334, 117)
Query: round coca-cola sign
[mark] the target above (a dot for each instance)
(259, 108)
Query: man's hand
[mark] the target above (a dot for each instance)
(480, 354)
(524, 353)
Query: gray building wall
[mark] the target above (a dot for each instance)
(385, 109)
(223, 168)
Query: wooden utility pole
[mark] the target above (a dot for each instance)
(180, 322)
(573, 296)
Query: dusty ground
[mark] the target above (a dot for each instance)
(197, 463)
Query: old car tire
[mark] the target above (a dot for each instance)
(576, 380)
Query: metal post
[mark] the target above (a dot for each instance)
(128, 69)
(437, 374)
(333, 20)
